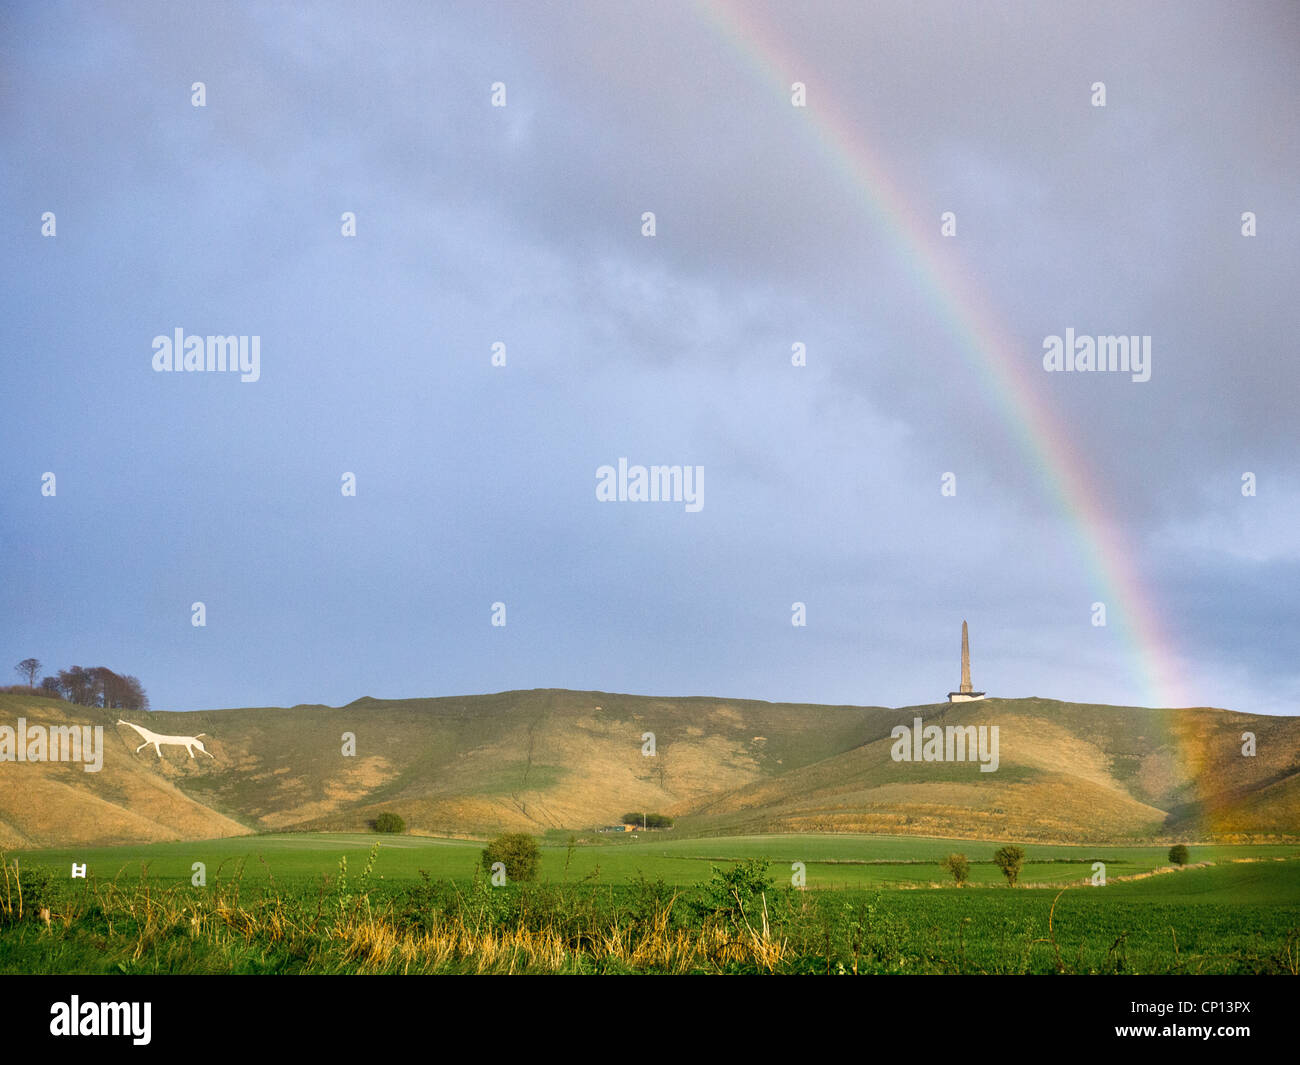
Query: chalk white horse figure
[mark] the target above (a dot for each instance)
(188, 742)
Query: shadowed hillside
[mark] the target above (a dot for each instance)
(552, 759)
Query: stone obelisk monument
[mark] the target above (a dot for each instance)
(966, 693)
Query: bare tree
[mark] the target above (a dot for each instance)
(97, 686)
(135, 698)
(77, 685)
(28, 668)
(115, 692)
(106, 688)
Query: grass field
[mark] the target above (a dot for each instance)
(300, 903)
(830, 861)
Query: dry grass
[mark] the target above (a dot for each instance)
(376, 945)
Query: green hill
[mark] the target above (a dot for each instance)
(1066, 773)
(564, 760)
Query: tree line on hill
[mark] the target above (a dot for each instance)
(85, 686)
(648, 820)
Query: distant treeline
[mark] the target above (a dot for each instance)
(648, 820)
(85, 686)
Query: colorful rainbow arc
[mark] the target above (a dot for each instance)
(986, 345)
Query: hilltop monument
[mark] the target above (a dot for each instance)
(966, 693)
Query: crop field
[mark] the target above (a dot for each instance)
(830, 861)
(357, 903)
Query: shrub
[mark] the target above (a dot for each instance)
(1178, 854)
(1009, 859)
(958, 866)
(23, 892)
(389, 822)
(733, 892)
(519, 853)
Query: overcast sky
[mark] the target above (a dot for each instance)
(476, 484)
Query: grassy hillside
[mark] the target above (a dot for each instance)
(561, 761)
(130, 800)
(1066, 772)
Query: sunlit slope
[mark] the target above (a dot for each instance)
(131, 799)
(1066, 772)
(528, 760)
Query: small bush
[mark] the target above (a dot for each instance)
(1178, 854)
(518, 852)
(732, 893)
(23, 892)
(958, 866)
(389, 822)
(1009, 859)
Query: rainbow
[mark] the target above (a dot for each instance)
(985, 343)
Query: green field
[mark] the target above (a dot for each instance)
(348, 903)
(830, 861)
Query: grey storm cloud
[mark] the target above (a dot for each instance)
(523, 224)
